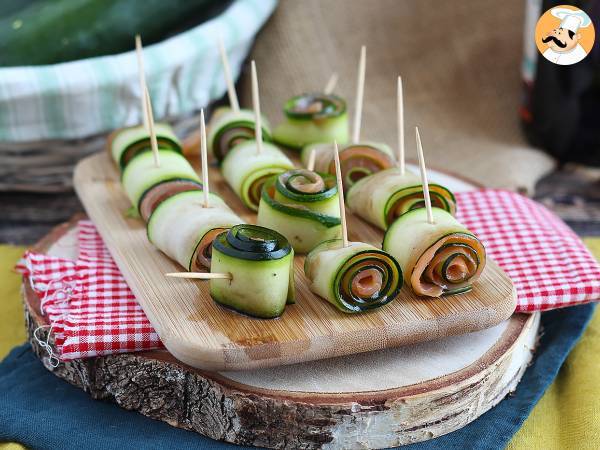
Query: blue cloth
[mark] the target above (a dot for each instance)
(43, 411)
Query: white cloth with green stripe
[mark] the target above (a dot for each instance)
(91, 96)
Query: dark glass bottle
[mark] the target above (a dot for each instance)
(560, 112)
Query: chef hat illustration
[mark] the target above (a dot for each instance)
(571, 20)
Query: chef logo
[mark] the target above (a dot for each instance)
(564, 35)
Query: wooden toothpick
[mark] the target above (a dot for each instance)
(311, 159)
(204, 159)
(360, 89)
(142, 79)
(200, 275)
(340, 186)
(256, 104)
(424, 178)
(153, 141)
(231, 93)
(331, 84)
(401, 127)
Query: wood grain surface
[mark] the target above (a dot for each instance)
(202, 334)
(233, 408)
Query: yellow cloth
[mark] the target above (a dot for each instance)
(12, 325)
(567, 417)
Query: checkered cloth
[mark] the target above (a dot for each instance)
(548, 264)
(93, 312)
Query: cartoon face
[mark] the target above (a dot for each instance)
(561, 40)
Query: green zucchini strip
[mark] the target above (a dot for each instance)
(230, 128)
(354, 279)
(183, 229)
(383, 197)
(437, 259)
(303, 206)
(356, 160)
(312, 118)
(246, 170)
(127, 143)
(261, 264)
(140, 175)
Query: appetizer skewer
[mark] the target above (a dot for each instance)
(438, 255)
(185, 225)
(248, 165)
(313, 118)
(360, 158)
(232, 126)
(384, 196)
(352, 276)
(147, 185)
(255, 257)
(303, 206)
(184, 229)
(125, 143)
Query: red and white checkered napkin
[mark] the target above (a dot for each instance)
(547, 262)
(93, 312)
(87, 301)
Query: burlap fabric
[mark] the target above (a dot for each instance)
(460, 63)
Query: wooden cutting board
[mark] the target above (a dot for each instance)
(202, 334)
(373, 400)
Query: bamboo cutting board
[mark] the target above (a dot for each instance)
(202, 334)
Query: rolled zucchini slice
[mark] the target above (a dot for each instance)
(356, 160)
(303, 206)
(354, 279)
(246, 170)
(230, 128)
(383, 197)
(161, 192)
(437, 259)
(183, 229)
(126, 143)
(261, 263)
(313, 118)
(141, 175)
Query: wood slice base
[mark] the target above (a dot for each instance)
(468, 376)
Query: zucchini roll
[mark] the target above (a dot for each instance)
(312, 118)
(382, 198)
(126, 143)
(229, 128)
(183, 229)
(356, 160)
(141, 176)
(246, 170)
(354, 279)
(442, 258)
(261, 264)
(303, 206)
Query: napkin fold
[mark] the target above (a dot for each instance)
(93, 312)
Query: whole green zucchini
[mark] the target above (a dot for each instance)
(53, 31)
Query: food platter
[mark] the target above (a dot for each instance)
(370, 400)
(203, 334)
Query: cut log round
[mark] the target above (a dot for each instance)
(370, 400)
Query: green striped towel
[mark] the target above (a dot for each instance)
(91, 96)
